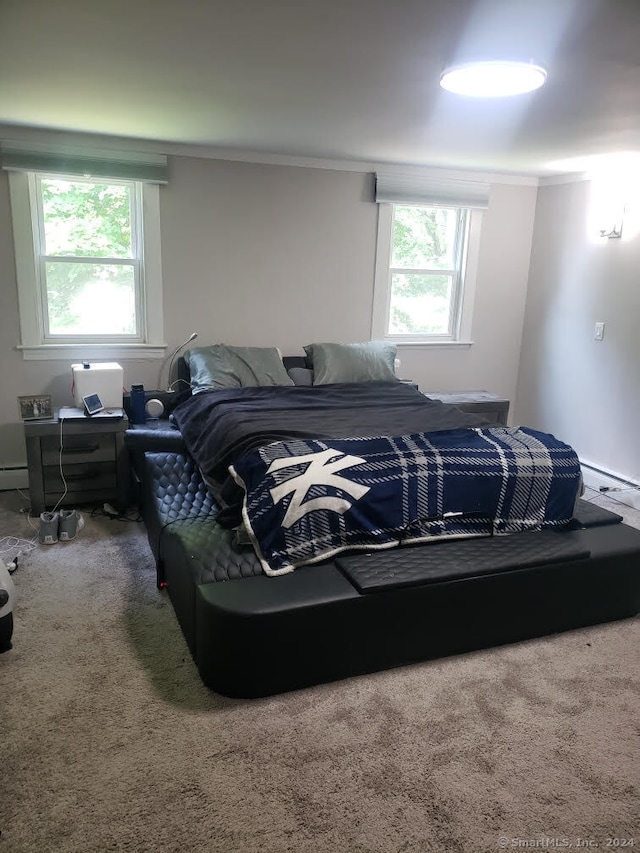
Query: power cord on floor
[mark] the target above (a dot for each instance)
(109, 511)
(13, 547)
(630, 485)
(591, 499)
(26, 498)
(618, 501)
(64, 481)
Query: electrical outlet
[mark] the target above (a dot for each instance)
(599, 331)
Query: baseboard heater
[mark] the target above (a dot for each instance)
(622, 489)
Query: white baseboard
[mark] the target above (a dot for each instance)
(14, 478)
(621, 488)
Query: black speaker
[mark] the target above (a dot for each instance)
(157, 404)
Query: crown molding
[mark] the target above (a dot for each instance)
(568, 178)
(212, 152)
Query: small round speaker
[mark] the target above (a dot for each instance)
(154, 408)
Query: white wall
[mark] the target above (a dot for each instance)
(263, 254)
(586, 392)
(268, 255)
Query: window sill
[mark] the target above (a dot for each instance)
(79, 352)
(401, 343)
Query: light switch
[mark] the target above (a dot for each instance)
(599, 332)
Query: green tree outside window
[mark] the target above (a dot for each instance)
(423, 269)
(88, 221)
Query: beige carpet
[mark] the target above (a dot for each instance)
(111, 743)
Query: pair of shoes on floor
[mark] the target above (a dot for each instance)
(63, 525)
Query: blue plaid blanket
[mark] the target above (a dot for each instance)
(305, 500)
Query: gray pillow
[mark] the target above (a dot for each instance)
(301, 375)
(366, 362)
(224, 366)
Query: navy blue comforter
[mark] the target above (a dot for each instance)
(220, 426)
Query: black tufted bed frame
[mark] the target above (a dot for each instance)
(252, 635)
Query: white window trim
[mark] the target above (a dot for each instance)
(30, 305)
(382, 286)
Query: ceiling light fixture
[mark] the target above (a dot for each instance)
(493, 79)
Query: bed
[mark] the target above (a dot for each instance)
(458, 569)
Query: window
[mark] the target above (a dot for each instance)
(88, 258)
(423, 273)
(428, 245)
(88, 265)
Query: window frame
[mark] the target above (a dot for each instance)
(27, 218)
(463, 292)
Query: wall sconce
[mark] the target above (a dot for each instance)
(612, 187)
(612, 224)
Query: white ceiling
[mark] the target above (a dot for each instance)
(344, 79)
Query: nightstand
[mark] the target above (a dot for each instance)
(94, 462)
(490, 406)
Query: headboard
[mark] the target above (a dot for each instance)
(289, 361)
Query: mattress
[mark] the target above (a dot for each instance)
(218, 427)
(318, 470)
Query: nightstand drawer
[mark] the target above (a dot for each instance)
(97, 447)
(90, 476)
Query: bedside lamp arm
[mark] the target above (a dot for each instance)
(191, 337)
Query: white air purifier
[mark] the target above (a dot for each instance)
(104, 379)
